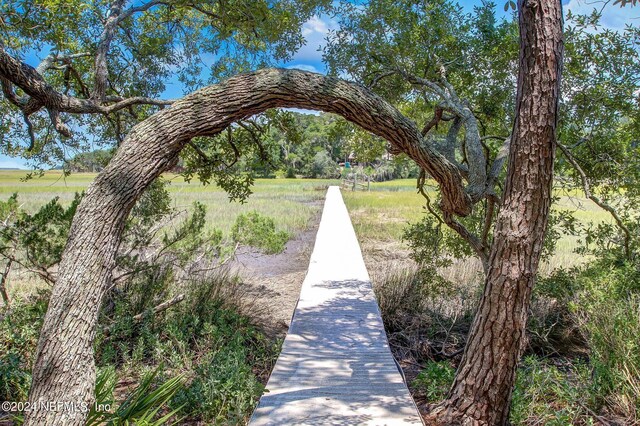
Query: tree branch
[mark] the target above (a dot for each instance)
(437, 117)
(481, 249)
(48, 62)
(255, 137)
(586, 187)
(3, 281)
(498, 163)
(42, 95)
(376, 79)
(420, 185)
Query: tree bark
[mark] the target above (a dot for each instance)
(481, 393)
(64, 369)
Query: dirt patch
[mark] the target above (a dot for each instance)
(275, 280)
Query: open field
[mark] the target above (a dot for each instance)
(290, 202)
(379, 216)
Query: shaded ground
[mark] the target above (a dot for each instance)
(275, 280)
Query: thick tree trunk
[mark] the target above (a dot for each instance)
(64, 370)
(481, 392)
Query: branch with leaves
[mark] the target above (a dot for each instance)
(588, 192)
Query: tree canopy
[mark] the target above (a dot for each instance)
(112, 61)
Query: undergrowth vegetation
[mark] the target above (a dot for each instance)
(180, 338)
(581, 363)
(253, 229)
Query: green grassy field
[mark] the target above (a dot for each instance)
(379, 216)
(292, 203)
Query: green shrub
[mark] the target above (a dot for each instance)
(596, 307)
(434, 381)
(19, 331)
(608, 312)
(224, 389)
(226, 349)
(552, 328)
(207, 337)
(14, 379)
(545, 394)
(253, 229)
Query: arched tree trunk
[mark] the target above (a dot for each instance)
(64, 369)
(481, 393)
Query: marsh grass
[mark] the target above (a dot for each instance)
(380, 215)
(290, 202)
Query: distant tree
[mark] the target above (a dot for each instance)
(93, 161)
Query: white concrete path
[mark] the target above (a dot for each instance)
(335, 367)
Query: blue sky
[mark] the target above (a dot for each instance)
(315, 30)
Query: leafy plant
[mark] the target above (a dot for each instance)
(141, 407)
(224, 388)
(547, 394)
(19, 330)
(434, 381)
(259, 231)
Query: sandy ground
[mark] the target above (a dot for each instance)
(275, 280)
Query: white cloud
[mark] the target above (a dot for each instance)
(613, 16)
(303, 67)
(315, 30)
(302, 111)
(315, 25)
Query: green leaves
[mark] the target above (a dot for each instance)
(253, 229)
(142, 405)
(196, 43)
(509, 5)
(478, 51)
(40, 237)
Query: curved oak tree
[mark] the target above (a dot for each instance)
(64, 366)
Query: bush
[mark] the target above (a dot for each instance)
(552, 328)
(434, 381)
(608, 312)
(224, 389)
(546, 394)
(229, 351)
(253, 229)
(19, 331)
(595, 310)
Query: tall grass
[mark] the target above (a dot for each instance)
(380, 215)
(291, 202)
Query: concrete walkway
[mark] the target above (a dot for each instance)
(335, 367)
